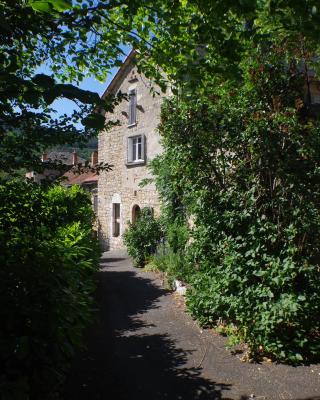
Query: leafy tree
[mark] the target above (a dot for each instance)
(33, 33)
(203, 41)
(245, 164)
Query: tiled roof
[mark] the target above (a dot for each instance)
(79, 179)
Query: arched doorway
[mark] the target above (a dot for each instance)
(135, 213)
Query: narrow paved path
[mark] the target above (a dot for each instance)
(145, 347)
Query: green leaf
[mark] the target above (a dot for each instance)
(41, 6)
(48, 6)
(61, 5)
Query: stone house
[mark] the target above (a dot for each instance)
(129, 147)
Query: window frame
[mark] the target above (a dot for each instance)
(133, 155)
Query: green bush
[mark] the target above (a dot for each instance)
(244, 163)
(142, 237)
(170, 255)
(173, 264)
(47, 257)
(177, 235)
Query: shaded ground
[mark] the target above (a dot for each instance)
(143, 346)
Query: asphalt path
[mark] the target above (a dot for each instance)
(144, 346)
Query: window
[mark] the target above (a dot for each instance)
(116, 219)
(132, 107)
(136, 146)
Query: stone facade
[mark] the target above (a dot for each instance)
(119, 192)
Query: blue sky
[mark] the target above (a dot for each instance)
(64, 106)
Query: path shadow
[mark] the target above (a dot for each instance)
(109, 260)
(265, 398)
(122, 360)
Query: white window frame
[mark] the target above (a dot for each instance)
(133, 149)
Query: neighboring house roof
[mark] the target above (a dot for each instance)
(65, 157)
(121, 71)
(85, 178)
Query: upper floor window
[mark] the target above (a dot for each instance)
(132, 107)
(136, 152)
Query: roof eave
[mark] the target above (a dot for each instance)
(112, 85)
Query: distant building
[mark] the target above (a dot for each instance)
(65, 159)
(69, 173)
(86, 179)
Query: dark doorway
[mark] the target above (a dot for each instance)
(135, 213)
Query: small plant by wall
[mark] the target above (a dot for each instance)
(142, 237)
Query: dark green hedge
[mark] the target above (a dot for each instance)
(47, 259)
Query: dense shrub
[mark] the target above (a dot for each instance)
(173, 264)
(177, 236)
(243, 162)
(142, 237)
(47, 260)
(170, 254)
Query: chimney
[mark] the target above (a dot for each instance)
(74, 157)
(94, 157)
(44, 157)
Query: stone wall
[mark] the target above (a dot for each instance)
(121, 185)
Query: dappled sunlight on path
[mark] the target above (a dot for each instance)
(143, 346)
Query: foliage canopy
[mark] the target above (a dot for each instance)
(205, 41)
